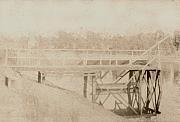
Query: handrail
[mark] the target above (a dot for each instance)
(71, 49)
(159, 42)
(85, 54)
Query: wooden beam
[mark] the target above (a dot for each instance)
(104, 74)
(106, 98)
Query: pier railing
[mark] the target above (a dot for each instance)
(15, 57)
(60, 57)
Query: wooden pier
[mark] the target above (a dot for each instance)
(135, 74)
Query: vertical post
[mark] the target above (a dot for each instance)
(85, 86)
(100, 61)
(148, 88)
(128, 88)
(6, 81)
(84, 61)
(159, 80)
(39, 77)
(93, 89)
(139, 93)
(110, 57)
(155, 85)
(86, 58)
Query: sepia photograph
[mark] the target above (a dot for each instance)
(89, 60)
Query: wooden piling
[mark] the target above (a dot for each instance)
(6, 81)
(85, 86)
(39, 77)
(148, 77)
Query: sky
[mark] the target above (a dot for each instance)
(113, 16)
